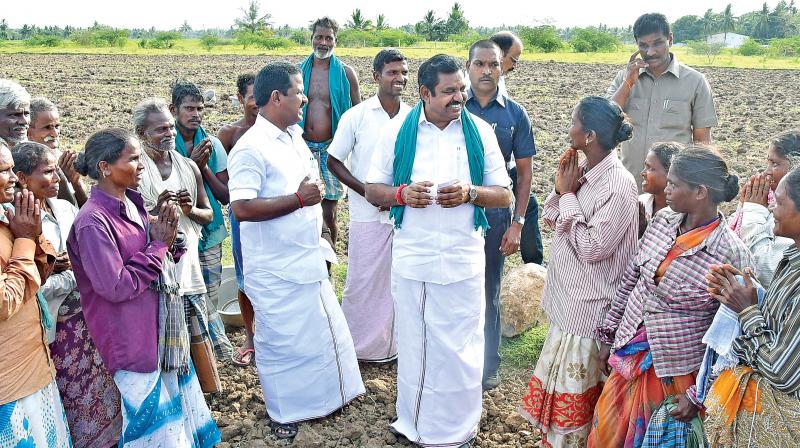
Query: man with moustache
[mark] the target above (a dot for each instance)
(665, 100)
(207, 152)
(168, 176)
(331, 88)
(15, 111)
(438, 169)
(229, 135)
(45, 128)
(304, 352)
(512, 127)
(367, 298)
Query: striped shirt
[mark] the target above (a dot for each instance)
(758, 234)
(595, 236)
(678, 311)
(770, 340)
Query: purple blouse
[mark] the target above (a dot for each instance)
(114, 265)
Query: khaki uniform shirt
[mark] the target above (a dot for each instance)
(664, 109)
(25, 365)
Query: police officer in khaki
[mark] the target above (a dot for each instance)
(665, 100)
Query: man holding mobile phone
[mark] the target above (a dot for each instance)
(664, 99)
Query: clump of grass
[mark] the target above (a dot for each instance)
(522, 351)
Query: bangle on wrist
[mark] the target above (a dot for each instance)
(398, 196)
(302, 204)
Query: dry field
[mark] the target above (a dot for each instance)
(98, 91)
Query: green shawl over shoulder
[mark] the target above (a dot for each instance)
(405, 149)
(215, 231)
(339, 89)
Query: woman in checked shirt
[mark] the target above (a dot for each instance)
(652, 335)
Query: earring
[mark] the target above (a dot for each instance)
(106, 174)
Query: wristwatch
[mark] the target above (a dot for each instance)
(473, 194)
(519, 220)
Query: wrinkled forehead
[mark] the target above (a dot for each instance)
(453, 80)
(321, 31)
(651, 38)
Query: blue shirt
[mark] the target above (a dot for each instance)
(510, 123)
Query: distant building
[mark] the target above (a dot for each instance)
(731, 40)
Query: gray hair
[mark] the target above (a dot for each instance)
(29, 155)
(41, 104)
(13, 95)
(144, 109)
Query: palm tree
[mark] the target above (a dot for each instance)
(428, 25)
(358, 22)
(252, 21)
(381, 24)
(727, 22)
(456, 22)
(709, 21)
(761, 27)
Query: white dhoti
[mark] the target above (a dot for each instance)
(440, 360)
(304, 352)
(367, 299)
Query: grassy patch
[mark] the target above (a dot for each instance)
(522, 351)
(420, 50)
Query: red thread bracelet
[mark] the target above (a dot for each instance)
(302, 204)
(398, 197)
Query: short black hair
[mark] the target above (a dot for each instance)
(182, 89)
(787, 144)
(274, 76)
(244, 80)
(703, 165)
(428, 74)
(505, 40)
(387, 56)
(665, 151)
(103, 146)
(483, 43)
(325, 22)
(792, 181)
(29, 155)
(650, 23)
(606, 119)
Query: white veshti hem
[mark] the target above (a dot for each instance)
(367, 299)
(304, 352)
(440, 360)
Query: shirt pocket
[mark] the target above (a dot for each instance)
(505, 139)
(676, 114)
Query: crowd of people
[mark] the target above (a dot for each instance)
(669, 324)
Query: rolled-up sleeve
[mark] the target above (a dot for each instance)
(20, 273)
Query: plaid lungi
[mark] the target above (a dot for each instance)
(334, 190)
(211, 264)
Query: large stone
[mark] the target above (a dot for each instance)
(521, 299)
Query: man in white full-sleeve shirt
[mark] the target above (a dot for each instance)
(304, 353)
(437, 256)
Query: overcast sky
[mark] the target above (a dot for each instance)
(221, 13)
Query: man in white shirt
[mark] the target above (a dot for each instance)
(367, 299)
(304, 352)
(447, 169)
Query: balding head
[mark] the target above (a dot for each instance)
(511, 46)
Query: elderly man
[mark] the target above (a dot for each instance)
(30, 405)
(45, 128)
(367, 299)
(229, 135)
(207, 152)
(15, 111)
(665, 100)
(168, 176)
(512, 127)
(438, 169)
(304, 352)
(331, 88)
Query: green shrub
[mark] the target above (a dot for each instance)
(710, 50)
(789, 46)
(542, 38)
(209, 41)
(263, 39)
(43, 40)
(382, 38)
(100, 37)
(752, 47)
(301, 37)
(164, 39)
(590, 40)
